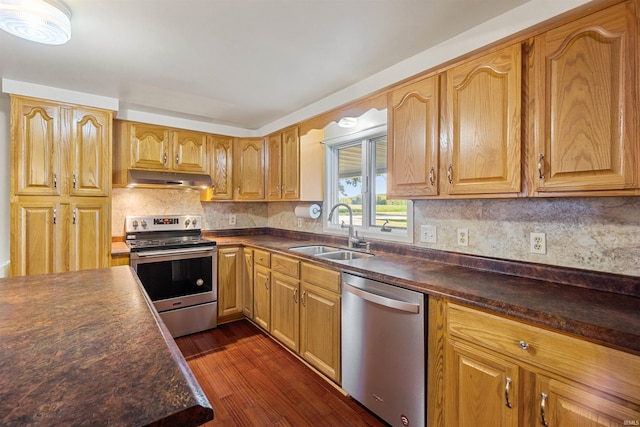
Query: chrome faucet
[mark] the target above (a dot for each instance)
(353, 238)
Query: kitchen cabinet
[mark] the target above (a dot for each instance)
(414, 139)
(483, 124)
(247, 283)
(320, 319)
(283, 165)
(230, 274)
(221, 155)
(60, 188)
(119, 259)
(249, 169)
(499, 371)
(262, 289)
(585, 133)
(285, 307)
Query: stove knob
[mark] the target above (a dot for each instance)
(186, 223)
(194, 222)
(143, 223)
(135, 223)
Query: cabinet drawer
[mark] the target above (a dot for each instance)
(262, 258)
(284, 265)
(323, 277)
(591, 364)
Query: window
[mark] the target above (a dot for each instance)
(357, 176)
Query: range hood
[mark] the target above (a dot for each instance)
(175, 179)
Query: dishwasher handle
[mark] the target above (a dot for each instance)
(383, 301)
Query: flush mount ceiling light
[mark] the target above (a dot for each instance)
(348, 122)
(41, 21)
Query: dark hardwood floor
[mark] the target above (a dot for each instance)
(251, 380)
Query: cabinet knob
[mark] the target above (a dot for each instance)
(177, 159)
(524, 345)
(164, 158)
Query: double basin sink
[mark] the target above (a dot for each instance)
(329, 252)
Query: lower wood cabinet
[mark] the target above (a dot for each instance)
(500, 372)
(262, 297)
(247, 283)
(230, 274)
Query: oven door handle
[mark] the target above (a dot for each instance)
(164, 252)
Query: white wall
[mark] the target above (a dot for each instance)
(5, 172)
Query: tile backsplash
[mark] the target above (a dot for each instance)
(600, 233)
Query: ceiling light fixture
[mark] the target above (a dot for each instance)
(41, 21)
(348, 122)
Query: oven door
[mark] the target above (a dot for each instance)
(177, 278)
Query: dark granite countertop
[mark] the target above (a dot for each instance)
(608, 318)
(86, 348)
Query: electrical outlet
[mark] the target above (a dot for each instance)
(299, 222)
(428, 233)
(538, 243)
(232, 219)
(463, 237)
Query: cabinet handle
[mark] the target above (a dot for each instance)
(432, 177)
(177, 159)
(55, 215)
(450, 173)
(304, 293)
(524, 345)
(73, 178)
(250, 261)
(55, 181)
(74, 216)
(164, 158)
(506, 393)
(266, 283)
(295, 295)
(541, 166)
(543, 402)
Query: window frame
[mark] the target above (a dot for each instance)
(364, 138)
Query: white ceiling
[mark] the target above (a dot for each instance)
(241, 63)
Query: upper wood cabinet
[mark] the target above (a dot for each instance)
(413, 140)
(249, 169)
(159, 148)
(584, 80)
(483, 118)
(60, 149)
(283, 165)
(221, 155)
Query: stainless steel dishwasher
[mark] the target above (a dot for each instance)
(384, 348)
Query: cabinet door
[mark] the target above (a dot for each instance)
(559, 403)
(480, 389)
(274, 167)
(262, 297)
(35, 146)
(221, 151)
(190, 152)
(90, 235)
(413, 121)
(90, 152)
(585, 94)
(149, 147)
(230, 263)
(285, 310)
(483, 115)
(35, 234)
(290, 186)
(250, 176)
(247, 284)
(320, 329)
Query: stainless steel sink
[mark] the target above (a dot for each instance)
(314, 249)
(343, 255)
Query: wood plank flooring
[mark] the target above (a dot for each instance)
(250, 380)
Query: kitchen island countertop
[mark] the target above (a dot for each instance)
(87, 348)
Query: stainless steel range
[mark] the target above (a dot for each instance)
(177, 268)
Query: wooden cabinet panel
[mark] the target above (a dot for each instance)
(190, 152)
(221, 164)
(230, 266)
(149, 146)
(290, 187)
(262, 296)
(247, 283)
(262, 258)
(478, 386)
(320, 330)
(90, 153)
(413, 141)
(35, 136)
(585, 92)
(274, 167)
(285, 265)
(90, 239)
(484, 119)
(35, 229)
(285, 310)
(249, 170)
(322, 277)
